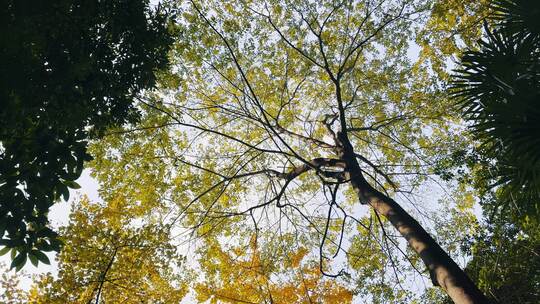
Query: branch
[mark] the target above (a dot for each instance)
(104, 274)
(376, 168)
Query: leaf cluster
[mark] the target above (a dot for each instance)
(506, 259)
(68, 70)
(113, 257)
(498, 88)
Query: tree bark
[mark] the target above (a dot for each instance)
(443, 270)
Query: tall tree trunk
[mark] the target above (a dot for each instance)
(443, 270)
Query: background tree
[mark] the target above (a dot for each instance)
(10, 290)
(498, 87)
(506, 262)
(120, 257)
(113, 256)
(68, 70)
(248, 274)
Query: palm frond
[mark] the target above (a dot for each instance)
(498, 90)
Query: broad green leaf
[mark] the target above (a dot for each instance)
(33, 259)
(41, 257)
(4, 250)
(19, 261)
(71, 184)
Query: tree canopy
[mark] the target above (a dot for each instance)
(295, 152)
(294, 118)
(68, 70)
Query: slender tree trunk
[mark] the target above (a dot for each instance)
(443, 270)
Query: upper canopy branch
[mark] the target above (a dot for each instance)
(315, 164)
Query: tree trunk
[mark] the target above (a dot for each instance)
(444, 272)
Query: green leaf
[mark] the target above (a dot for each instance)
(65, 194)
(33, 258)
(44, 246)
(41, 257)
(45, 232)
(56, 244)
(3, 225)
(19, 261)
(72, 184)
(4, 251)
